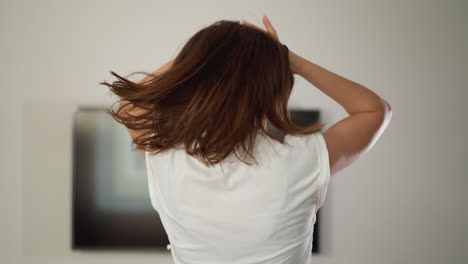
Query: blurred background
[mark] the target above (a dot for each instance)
(405, 202)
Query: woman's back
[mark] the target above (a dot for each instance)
(235, 213)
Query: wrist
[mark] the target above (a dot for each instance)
(295, 62)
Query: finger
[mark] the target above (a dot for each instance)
(252, 25)
(270, 31)
(268, 24)
(269, 27)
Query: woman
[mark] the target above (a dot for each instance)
(197, 115)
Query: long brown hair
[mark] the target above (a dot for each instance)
(226, 82)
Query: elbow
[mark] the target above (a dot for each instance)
(387, 106)
(387, 113)
(388, 109)
(384, 111)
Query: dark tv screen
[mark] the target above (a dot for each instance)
(111, 205)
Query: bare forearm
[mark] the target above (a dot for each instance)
(353, 97)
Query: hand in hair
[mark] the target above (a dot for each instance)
(270, 30)
(295, 63)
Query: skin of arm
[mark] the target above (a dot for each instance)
(136, 111)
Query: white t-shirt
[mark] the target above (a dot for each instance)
(239, 213)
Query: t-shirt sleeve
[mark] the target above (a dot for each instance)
(322, 153)
(309, 148)
(151, 182)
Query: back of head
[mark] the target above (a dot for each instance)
(223, 86)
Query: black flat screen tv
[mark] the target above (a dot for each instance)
(111, 206)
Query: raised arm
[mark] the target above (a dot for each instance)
(369, 114)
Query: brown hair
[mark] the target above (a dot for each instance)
(227, 80)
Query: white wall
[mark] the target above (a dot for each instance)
(405, 202)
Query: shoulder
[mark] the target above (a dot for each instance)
(308, 147)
